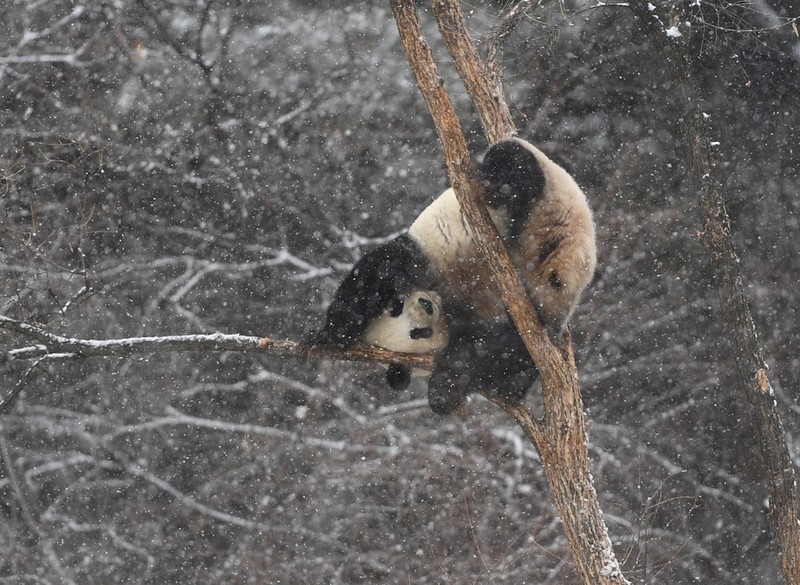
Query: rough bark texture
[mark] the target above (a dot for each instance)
(752, 370)
(561, 437)
(483, 83)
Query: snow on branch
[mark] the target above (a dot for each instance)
(50, 344)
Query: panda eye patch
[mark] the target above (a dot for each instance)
(421, 333)
(426, 305)
(396, 306)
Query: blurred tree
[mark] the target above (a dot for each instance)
(724, 261)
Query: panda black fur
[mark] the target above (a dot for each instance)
(547, 225)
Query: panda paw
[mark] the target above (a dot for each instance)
(398, 377)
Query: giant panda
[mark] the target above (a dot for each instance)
(547, 226)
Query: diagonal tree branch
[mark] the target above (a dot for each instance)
(484, 84)
(561, 437)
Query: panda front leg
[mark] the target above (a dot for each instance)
(376, 280)
(489, 357)
(446, 392)
(456, 370)
(398, 377)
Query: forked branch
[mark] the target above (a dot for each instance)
(561, 437)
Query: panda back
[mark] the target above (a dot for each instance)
(545, 221)
(557, 252)
(456, 266)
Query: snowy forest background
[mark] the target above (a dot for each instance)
(190, 166)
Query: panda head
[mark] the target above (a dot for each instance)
(411, 323)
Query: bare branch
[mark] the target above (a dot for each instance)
(51, 346)
(32, 36)
(561, 438)
(484, 84)
(511, 21)
(16, 487)
(188, 501)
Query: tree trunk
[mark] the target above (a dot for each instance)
(737, 319)
(561, 437)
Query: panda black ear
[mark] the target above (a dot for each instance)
(398, 377)
(396, 306)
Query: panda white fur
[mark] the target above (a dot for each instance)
(544, 219)
(412, 323)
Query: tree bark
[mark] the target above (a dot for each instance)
(736, 316)
(484, 84)
(560, 438)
